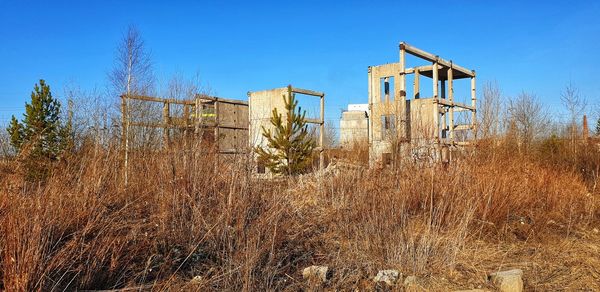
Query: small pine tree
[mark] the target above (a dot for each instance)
(41, 132)
(598, 127)
(290, 147)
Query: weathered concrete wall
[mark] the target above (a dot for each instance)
(261, 105)
(233, 127)
(387, 121)
(354, 128)
(421, 120)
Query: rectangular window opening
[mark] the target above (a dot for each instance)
(387, 89)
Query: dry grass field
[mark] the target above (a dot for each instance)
(194, 215)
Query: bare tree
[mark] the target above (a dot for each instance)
(6, 150)
(329, 140)
(91, 113)
(131, 75)
(529, 116)
(575, 105)
(132, 71)
(489, 110)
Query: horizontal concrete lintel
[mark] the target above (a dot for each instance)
(222, 100)
(434, 58)
(307, 92)
(158, 99)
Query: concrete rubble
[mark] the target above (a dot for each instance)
(410, 281)
(318, 273)
(390, 277)
(197, 280)
(508, 281)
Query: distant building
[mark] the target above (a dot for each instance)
(354, 125)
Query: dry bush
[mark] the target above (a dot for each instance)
(418, 219)
(84, 229)
(187, 212)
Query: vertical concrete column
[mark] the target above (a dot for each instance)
(401, 114)
(416, 85)
(370, 98)
(474, 105)
(197, 114)
(451, 100)
(166, 124)
(402, 73)
(436, 112)
(217, 132)
(443, 114)
(322, 134)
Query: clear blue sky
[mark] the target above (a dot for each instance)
(244, 46)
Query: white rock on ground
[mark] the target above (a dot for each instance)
(508, 281)
(197, 280)
(389, 277)
(316, 272)
(410, 280)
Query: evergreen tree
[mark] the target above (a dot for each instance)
(41, 136)
(15, 131)
(598, 127)
(290, 147)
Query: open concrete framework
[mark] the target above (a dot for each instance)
(261, 105)
(422, 122)
(226, 120)
(391, 120)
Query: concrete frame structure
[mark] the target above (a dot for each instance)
(397, 119)
(262, 103)
(227, 119)
(392, 119)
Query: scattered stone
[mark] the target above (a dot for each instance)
(389, 277)
(595, 230)
(316, 273)
(197, 280)
(410, 280)
(508, 281)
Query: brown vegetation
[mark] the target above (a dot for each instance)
(190, 213)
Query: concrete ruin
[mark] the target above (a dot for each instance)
(401, 125)
(261, 105)
(394, 124)
(223, 121)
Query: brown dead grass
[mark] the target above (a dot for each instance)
(188, 213)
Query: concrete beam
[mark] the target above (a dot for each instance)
(307, 92)
(434, 58)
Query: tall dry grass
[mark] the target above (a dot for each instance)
(188, 213)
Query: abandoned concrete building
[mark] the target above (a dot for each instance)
(220, 120)
(415, 125)
(394, 123)
(262, 104)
